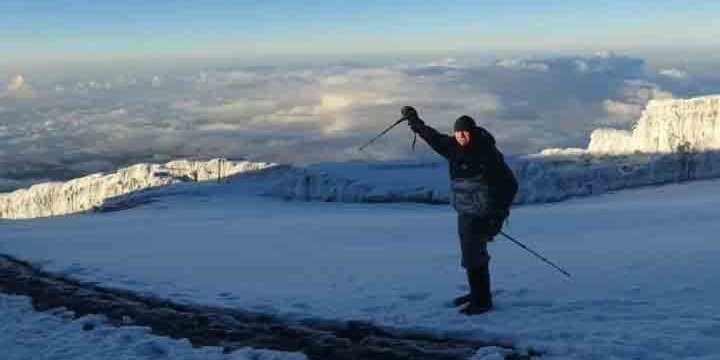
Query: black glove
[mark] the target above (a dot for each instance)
(410, 114)
(494, 226)
(495, 221)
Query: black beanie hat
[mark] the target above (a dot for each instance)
(464, 123)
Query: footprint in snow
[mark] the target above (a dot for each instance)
(227, 295)
(378, 308)
(300, 305)
(519, 292)
(415, 296)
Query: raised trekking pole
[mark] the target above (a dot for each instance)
(396, 123)
(407, 112)
(536, 254)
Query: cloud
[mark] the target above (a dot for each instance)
(236, 108)
(16, 87)
(331, 102)
(631, 101)
(622, 110)
(640, 91)
(523, 64)
(93, 121)
(446, 62)
(601, 63)
(15, 83)
(674, 73)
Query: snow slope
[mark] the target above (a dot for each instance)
(645, 264)
(28, 334)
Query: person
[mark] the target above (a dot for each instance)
(482, 190)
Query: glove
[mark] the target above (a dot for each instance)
(495, 222)
(494, 226)
(410, 114)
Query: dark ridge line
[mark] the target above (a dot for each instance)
(233, 329)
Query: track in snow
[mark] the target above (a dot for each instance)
(233, 329)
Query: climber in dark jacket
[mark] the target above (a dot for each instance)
(482, 190)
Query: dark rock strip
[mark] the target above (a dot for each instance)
(233, 329)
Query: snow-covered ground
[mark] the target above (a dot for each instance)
(645, 264)
(28, 334)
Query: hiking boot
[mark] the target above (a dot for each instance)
(461, 300)
(480, 300)
(475, 309)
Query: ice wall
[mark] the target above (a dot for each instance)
(85, 193)
(541, 178)
(611, 141)
(666, 126)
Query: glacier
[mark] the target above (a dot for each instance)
(666, 126)
(542, 178)
(88, 192)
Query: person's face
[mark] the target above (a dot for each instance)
(462, 137)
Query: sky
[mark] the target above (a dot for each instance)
(87, 30)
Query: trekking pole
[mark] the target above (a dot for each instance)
(396, 123)
(536, 254)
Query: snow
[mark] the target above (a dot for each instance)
(553, 175)
(644, 264)
(388, 181)
(81, 194)
(563, 152)
(29, 334)
(490, 353)
(665, 125)
(611, 141)
(543, 178)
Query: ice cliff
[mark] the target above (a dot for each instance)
(85, 193)
(666, 126)
(542, 178)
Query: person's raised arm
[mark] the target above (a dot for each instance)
(439, 142)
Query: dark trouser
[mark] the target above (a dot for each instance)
(475, 257)
(473, 242)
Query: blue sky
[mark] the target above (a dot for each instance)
(91, 29)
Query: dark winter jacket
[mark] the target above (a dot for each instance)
(478, 168)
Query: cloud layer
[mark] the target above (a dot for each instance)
(84, 123)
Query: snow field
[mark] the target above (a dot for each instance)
(29, 334)
(643, 261)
